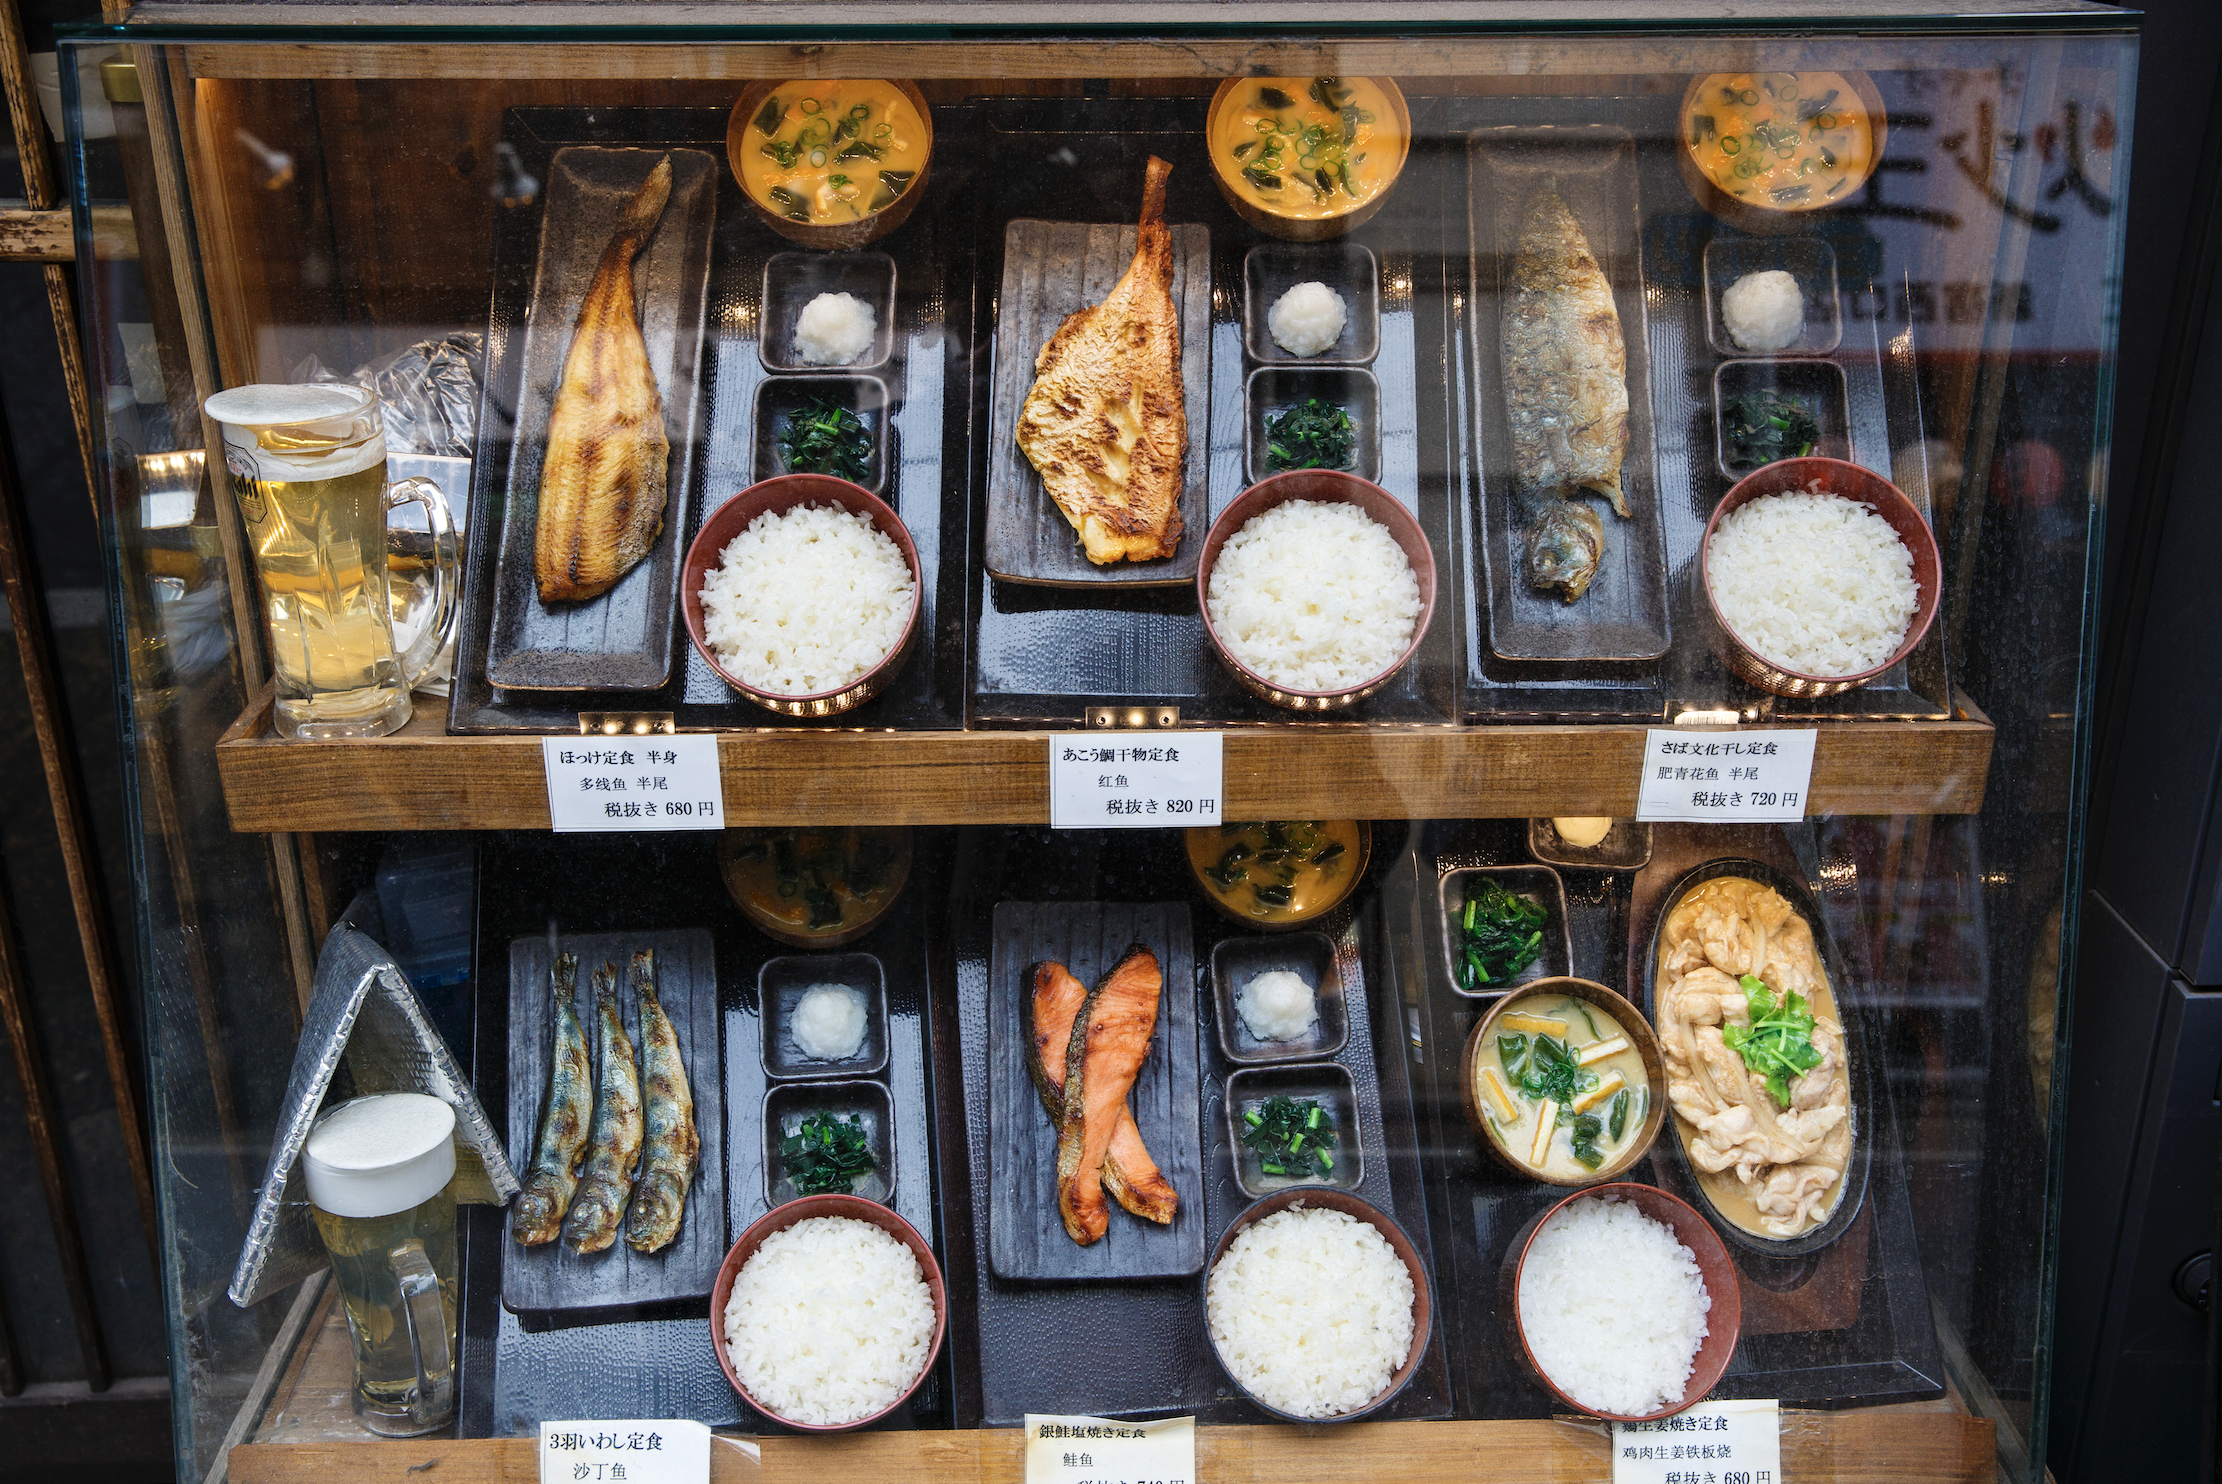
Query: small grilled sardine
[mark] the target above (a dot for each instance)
(606, 1184)
(668, 1157)
(538, 1214)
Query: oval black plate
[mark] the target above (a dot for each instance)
(1858, 1053)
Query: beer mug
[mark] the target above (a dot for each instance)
(308, 468)
(381, 1172)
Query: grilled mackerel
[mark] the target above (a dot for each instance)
(606, 1184)
(538, 1214)
(673, 1144)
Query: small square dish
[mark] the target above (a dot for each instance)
(793, 279)
(1273, 390)
(1271, 270)
(781, 399)
(1538, 884)
(780, 987)
(1626, 847)
(1309, 956)
(1326, 1083)
(1816, 386)
(789, 1105)
(1810, 260)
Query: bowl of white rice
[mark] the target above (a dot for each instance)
(1819, 576)
(1622, 1301)
(803, 594)
(1317, 1305)
(1316, 588)
(828, 1312)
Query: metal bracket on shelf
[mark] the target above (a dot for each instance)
(626, 723)
(1131, 718)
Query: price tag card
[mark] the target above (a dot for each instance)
(1711, 1443)
(1091, 1450)
(633, 783)
(1134, 780)
(1739, 777)
(628, 1452)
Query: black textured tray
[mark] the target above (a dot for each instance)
(1026, 1237)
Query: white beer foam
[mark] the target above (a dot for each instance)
(243, 409)
(378, 1155)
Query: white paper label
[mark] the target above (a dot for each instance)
(633, 783)
(1092, 1450)
(1134, 780)
(1711, 1443)
(1725, 777)
(628, 1451)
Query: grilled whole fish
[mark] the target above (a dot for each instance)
(1106, 422)
(613, 1149)
(667, 1158)
(1110, 1037)
(538, 1214)
(1129, 1172)
(602, 478)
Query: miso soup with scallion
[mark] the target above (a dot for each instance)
(1561, 1086)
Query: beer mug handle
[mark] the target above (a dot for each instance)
(428, 1336)
(446, 573)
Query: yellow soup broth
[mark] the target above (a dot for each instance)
(832, 151)
(1279, 872)
(814, 881)
(1510, 1070)
(1308, 147)
(1787, 141)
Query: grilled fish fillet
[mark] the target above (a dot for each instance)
(1129, 1172)
(673, 1144)
(1110, 1037)
(613, 1150)
(538, 1214)
(1106, 422)
(1565, 364)
(602, 479)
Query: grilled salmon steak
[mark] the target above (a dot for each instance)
(1129, 1173)
(1110, 1037)
(1106, 422)
(602, 478)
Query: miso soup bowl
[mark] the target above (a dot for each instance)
(1304, 228)
(1327, 487)
(1632, 1025)
(827, 235)
(778, 1220)
(1853, 482)
(1723, 1321)
(780, 495)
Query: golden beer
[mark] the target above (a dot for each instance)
(380, 1172)
(308, 470)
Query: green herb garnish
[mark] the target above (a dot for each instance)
(1499, 935)
(1311, 435)
(824, 437)
(1760, 428)
(1779, 1046)
(1551, 1071)
(1587, 1126)
(1291, 1137)
(827, 1154)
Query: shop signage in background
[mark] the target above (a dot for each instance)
(1711, 1443)
(626, 1451)
(1739, 777)
(1097, 1450)
(625, 783)
(1134, 780)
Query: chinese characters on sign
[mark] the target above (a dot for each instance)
(624, 1452)
(1134, 780)
(1711, 1443)
(633, 783)
(1094, 1450)
(1725, 777)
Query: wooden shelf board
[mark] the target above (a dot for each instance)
(421, 778)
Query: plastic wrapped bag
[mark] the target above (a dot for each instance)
(429, 392)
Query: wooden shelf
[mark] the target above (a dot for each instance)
(421, 778)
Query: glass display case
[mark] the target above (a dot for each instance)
(1464, 424)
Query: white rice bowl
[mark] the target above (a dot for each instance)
(1764, 311)
(830, 1321)
(1613, 1307)
(1308, 319)
(1311, 1310)
(1314, 595)
(1816, 583)
(807, 601)
(834, 330)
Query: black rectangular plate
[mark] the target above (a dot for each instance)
(1026, 1237)
(622, 639)
(551, 1278)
